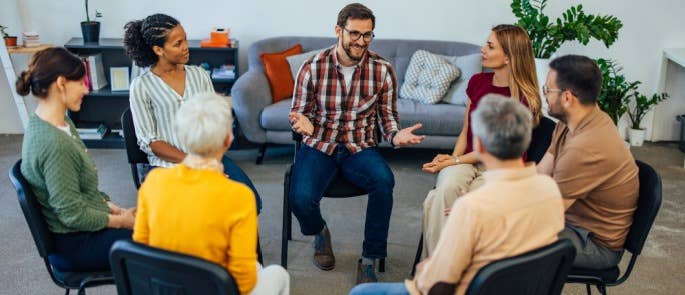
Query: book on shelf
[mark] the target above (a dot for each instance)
(95, 71)
(92, 130)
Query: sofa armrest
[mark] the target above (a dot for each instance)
(251, 94)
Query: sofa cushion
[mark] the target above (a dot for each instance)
(278, 72)
(296, 61)
(428, 77)
(437, 119)
(275, 116)
(468, 65)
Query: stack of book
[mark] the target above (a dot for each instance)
(95, 71)
(31, 39)
(92, 130)
(224, 72)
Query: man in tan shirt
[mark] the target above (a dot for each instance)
(596, 173)
(515, 211)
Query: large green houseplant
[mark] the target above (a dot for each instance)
(642, 104)
(91, 28)
(616, 89)
(547, 35)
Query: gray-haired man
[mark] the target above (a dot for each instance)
(515, 211)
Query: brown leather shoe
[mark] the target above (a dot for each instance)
(323, 250)
(365, 273)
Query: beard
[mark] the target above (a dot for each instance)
(347, 47)
(557, 111)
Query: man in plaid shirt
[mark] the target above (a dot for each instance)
(341, 96)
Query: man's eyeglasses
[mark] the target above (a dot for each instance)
(546, 90)
(355, 35)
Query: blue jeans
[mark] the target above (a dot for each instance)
(380, 288)
(232, 170)
(313, 171)
(85, 251)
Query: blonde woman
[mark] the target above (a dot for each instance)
(193, 208)
(509, 53)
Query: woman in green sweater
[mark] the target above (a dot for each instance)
(62, 175)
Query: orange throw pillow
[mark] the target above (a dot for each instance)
(278, 73)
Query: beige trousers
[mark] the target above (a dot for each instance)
(452, 182)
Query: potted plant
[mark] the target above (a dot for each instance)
(574, 25)
(10, 41)
(642, 105)
(91, 29)
(548, 35)
(615, 94)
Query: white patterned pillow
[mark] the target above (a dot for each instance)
(468, 65)
(296, 61)
(428, 77)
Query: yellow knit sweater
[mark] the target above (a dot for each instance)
(200, 213)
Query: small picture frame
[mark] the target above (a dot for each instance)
(119, 78)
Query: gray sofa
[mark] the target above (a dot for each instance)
(265, 123)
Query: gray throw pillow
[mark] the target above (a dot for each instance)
(428, 77)
(469, 66)
(296, 61)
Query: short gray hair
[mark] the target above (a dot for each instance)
(203, 123)
(503, 125)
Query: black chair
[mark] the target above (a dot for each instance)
(133, 152)
(338, 188)
(539, 143)
(648, 204)
(45, 243)
(139, 269)
(540, 271)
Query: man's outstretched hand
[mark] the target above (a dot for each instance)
(301, 124)
(406, 136)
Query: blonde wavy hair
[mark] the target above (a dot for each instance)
(518, 48)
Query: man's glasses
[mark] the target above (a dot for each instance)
(546, 90)
(355, 35)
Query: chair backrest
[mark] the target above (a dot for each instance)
(648, 204)
(31, 209)
(133, 152)
(541, 271)
(542, 137)
(139, 269)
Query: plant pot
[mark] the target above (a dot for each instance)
(541, 67)
(11, 42)
(91, 32)
(637, 137)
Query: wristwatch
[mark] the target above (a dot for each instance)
(457, 160)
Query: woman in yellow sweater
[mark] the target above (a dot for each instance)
(193, 208)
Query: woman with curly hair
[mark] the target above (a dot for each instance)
(159, 42)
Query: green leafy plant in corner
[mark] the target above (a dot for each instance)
(614, 97)
(2, 31)
(642, 105)
(98, 14)
(547, 35)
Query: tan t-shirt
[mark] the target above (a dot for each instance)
(593, 166)
(515, 211)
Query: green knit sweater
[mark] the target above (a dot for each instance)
(63, 177)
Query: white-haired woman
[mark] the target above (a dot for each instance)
(193, 208)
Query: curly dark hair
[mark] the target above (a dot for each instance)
(45, 67)
(141, 35)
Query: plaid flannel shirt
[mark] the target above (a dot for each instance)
(345, 118)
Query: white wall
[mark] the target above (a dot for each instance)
(649, 26)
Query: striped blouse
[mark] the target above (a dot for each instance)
(154, 105)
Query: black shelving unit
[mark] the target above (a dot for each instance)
(106, 106)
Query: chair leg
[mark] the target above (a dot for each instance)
(135, 175)
(602, 289)
(260, 258)
(81, 291)
(285, 233)
(381, 265)
(417, 257)
(67, 293)
(260, 155)
(588, 289)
